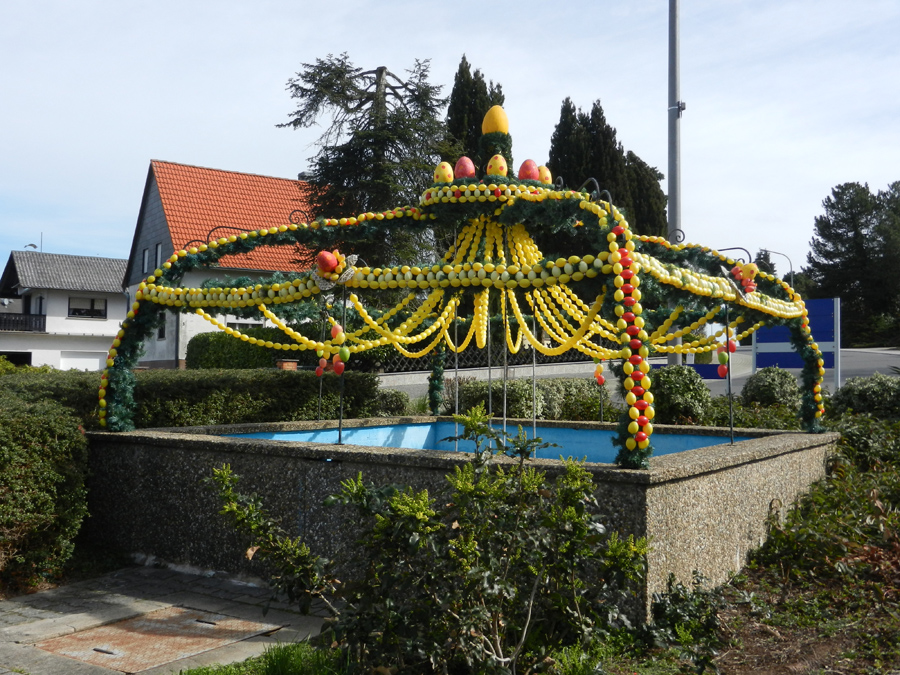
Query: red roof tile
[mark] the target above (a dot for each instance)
(196, 200)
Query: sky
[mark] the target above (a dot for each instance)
(785, 98)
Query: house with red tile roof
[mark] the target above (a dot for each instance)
(188, 205)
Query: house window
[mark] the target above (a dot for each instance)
(161, 330)
(145, 267)
(91, 308)
(158, 255)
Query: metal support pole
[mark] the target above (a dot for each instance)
(730, 366)
(490, 378)
(676, 106)
(323, 316)
(343, 323)
(534, 378)
(456, 373)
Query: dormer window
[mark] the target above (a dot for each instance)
(87, 308)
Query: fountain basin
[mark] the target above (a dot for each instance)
(702, 509)
(584, 443)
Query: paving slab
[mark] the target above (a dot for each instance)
(77, 611)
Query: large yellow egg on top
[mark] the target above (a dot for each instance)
(443, 173)
(497, 166)
(495, 120)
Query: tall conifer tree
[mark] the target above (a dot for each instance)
(470, 100)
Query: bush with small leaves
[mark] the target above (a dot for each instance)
(772, 386)
(43, 500)
(392, 403)
(679, 395)
(877, 395)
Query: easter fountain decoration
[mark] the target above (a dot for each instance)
(561, 259)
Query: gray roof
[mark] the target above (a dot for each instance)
(32, 269)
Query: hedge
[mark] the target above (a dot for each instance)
(184, 397)
(217, 350)
(43, 462)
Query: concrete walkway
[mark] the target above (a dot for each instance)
(136, 592)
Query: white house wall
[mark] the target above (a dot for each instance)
(180, 328)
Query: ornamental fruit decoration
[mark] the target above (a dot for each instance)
(746, 276)
(598, 373)
(327, 262)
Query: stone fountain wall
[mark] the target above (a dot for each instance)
(702, 509)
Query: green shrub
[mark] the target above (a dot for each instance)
(772, 386)
(76, 390)
(679, 395)
(181, 398)
(507, 568)
(392, 403)
(43, 461)
(217, 350)
(518, 398)
(751, 415)
(688, 619)
(877, 395)
(576, 399)
(220, 350)
(868, 444)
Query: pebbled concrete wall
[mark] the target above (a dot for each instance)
(702, 510)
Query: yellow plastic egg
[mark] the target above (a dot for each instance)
(497, 165)
(443, 173)
(544, 175)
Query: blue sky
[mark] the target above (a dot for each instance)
(785, 98)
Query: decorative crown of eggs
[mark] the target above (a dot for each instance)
(495, 121)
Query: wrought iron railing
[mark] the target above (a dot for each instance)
(32, 323)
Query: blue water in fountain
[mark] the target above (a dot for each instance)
(593, 445)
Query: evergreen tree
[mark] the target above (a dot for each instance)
(648, 201)
(570, 146)
(470, 100)
(844, 246)
(585, 146)
(381, 146)
(607, 160)
(844, 257)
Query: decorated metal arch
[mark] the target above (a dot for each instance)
(563, 259)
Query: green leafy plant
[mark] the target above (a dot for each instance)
(680, 396)
(688, 618)
(877, 395)
(772, 386)
(506, 566)
(43, 463)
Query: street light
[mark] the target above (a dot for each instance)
(790, 264)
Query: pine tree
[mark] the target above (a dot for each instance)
(381, 146)
(844, 256)
(470, 100)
